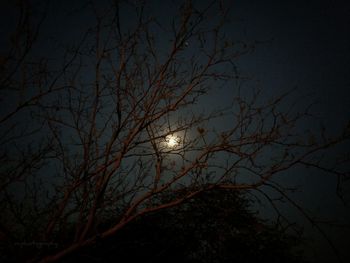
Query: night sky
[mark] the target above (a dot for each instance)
(298, 44)
(309, 50)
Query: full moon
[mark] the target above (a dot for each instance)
(172, 141)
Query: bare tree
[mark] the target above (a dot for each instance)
(123, 125)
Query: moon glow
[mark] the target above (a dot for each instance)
(172, 141)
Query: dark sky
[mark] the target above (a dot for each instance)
(310, 49)
(302, 44)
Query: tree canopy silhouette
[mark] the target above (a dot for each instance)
(215, 226)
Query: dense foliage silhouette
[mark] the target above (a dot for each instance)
(216, 226)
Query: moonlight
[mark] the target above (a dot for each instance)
(172, 141)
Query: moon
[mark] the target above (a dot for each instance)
(172, 141)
